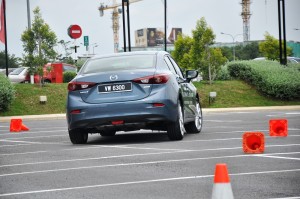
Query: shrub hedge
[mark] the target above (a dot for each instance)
(7, 93)
(269, 77)
(68, 76)
(223, 74)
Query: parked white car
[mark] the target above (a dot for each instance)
(293, 60)
(19, 75)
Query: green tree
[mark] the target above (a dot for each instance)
(181, 53)
(66, 56)
(227, 52)
(38, 43)
(13, 62)
(203, 37)
(195, 52)
(215, 60)
(270, 47)
(242, 52)
(247, 52)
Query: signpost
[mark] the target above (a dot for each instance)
(86, 42)
(75, 32)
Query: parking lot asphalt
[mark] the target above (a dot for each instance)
(42, 163)
(205, 110)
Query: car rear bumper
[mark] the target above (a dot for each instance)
(135, 115)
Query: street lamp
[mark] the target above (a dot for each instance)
(233, 39)
(165, 6)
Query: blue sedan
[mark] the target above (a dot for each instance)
(132, 91)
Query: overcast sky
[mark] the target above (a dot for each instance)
(221, 15)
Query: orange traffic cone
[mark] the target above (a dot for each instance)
(253, 142)
(222, 187)
(16, 125)
(278, 127)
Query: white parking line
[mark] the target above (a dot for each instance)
(32, 132)
(122, 146)
(253, 130)
(130, 155)
(123, 164)
(61, 135)
(293, 113)
(279, 157)
(222, 121)
(18, 141)
(141, 182)
(227, 139)
(134, 163)
(13, 145)
(87, 159)
(297, 197)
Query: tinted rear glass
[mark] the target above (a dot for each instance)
(17, 71)
(121, 63)
(69, 68)
(297, 59)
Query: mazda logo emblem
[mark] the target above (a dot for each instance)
(113, 77)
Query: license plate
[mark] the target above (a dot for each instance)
(119, 87)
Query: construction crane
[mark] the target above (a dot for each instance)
(115, 19)
(246, 19)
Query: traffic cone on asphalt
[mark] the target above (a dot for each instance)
(16, 125)
(278, 127)
(222, 187)
(253, 142)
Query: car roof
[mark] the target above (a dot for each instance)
(130, 53)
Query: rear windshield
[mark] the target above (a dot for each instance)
(131, 62)
(69, 68)
(17, 71)
(297, 59)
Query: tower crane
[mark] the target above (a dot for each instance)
(115, 19)
(246, 19)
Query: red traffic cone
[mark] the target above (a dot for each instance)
(16, 125)
(253, 142)
(278, 127)
(222, 187)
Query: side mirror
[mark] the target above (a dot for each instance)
(191, 74)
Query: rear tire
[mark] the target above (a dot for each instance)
(78, 136)
(108, 133)
(176, 129)
(196, 126)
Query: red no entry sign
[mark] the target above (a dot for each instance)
(74, 31)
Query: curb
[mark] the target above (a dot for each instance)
(205, 110)
(34, 117)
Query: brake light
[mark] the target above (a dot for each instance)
(77, 111)
(117, 122)
(73, 86)
(153, 79)
(158, 105)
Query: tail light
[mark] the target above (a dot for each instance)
(158, 104)
(76, 111)
(153, 79)
(73, 86)
(117, 122)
